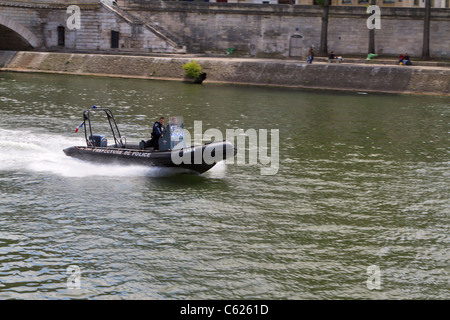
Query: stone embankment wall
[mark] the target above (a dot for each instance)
(356, 77)
(254, 30)
(267, 30)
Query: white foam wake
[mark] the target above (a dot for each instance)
(25, 150)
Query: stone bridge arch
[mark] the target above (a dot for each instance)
(15, 36)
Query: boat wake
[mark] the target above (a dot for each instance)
(42, 152)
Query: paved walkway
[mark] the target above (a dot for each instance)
(355, 60)
(382, 62)
(376, 61)
(392, 61)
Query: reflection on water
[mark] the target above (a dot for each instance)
(363, 181)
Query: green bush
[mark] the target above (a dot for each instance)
(193, 69)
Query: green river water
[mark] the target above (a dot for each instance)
(362, 184)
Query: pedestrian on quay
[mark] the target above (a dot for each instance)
(310, 55)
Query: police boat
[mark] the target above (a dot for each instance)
(172, 152)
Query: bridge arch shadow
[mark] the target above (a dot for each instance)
(15, 36)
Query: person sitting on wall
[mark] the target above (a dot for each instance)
(406, 60)
(332, 57)
(401, 58)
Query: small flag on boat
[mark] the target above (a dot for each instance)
(80, 126)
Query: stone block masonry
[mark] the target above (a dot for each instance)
(266, 31)
(270, 72)
(253, 30)
(39, 22)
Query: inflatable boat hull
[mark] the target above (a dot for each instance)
(197, 158)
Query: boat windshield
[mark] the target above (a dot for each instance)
(174, 137)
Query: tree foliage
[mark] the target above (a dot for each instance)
(192, 69)
(320, 2)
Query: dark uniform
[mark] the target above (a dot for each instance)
(158, 130)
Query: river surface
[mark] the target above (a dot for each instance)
(358, 209)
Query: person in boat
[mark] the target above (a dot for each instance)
(158, 131)
(176, 133)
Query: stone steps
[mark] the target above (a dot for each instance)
(158, 31)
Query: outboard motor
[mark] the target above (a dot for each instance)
(98, 140)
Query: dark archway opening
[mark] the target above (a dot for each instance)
(11, 40)
(61, 36)
(114, 39)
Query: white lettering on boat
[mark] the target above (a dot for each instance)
(118, 152)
